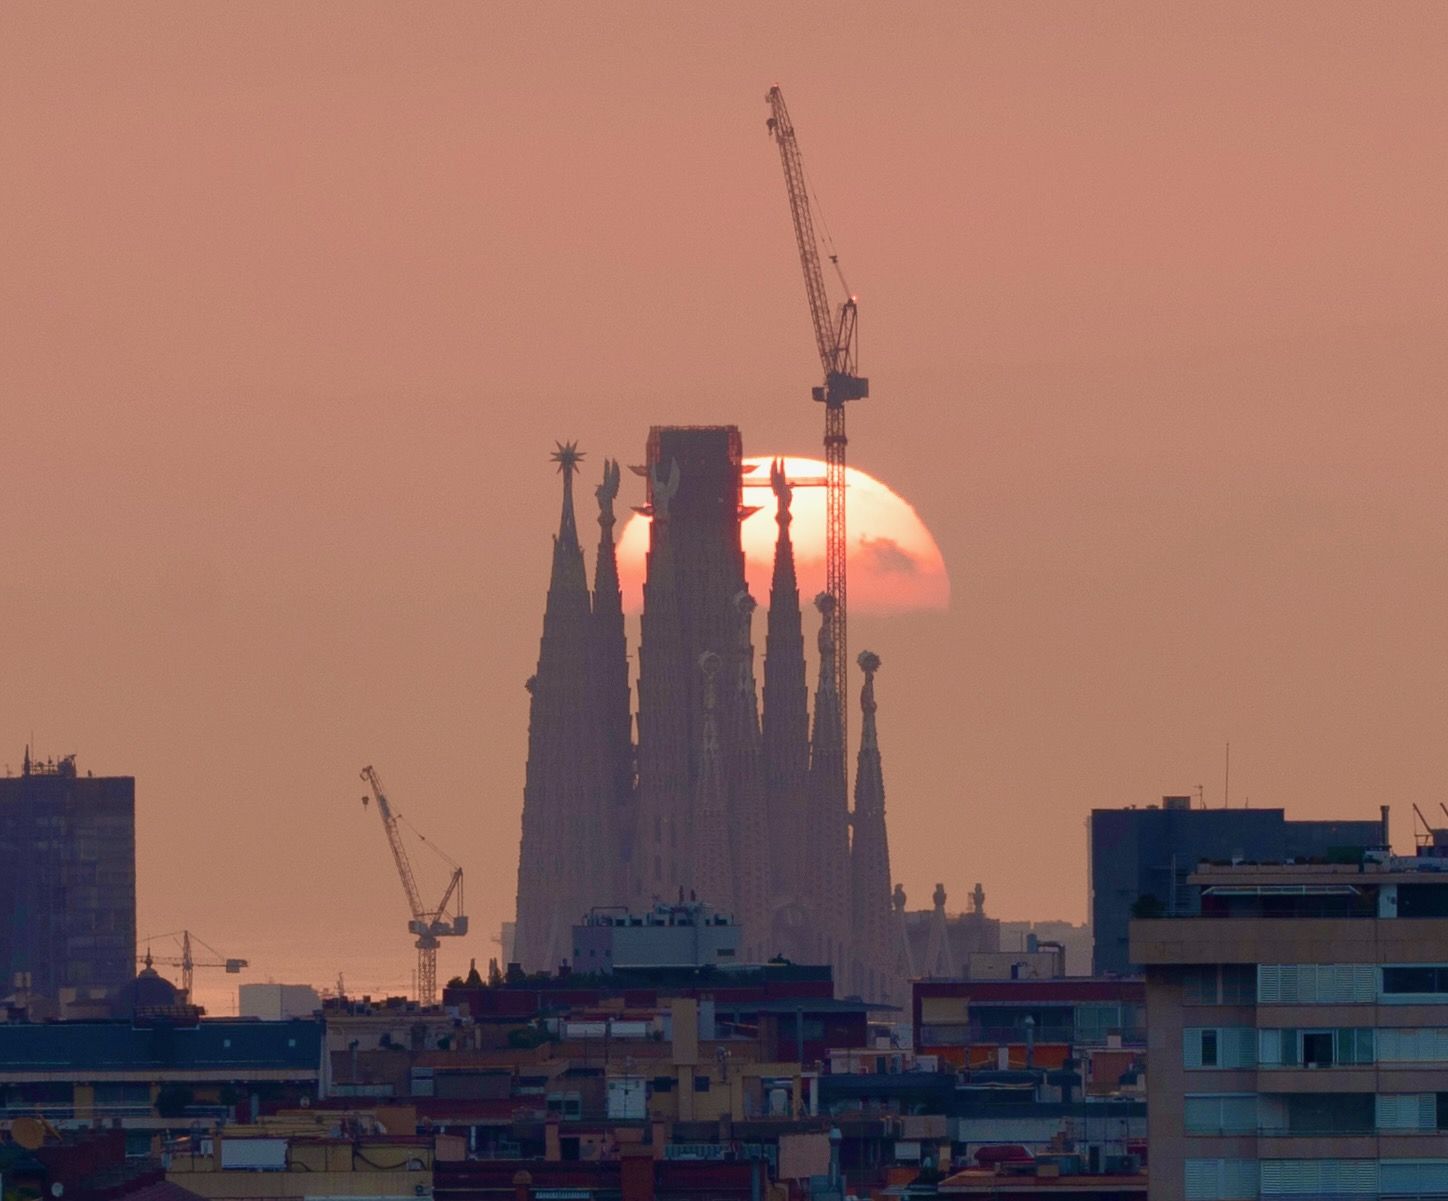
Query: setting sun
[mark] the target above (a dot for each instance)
(894, 563)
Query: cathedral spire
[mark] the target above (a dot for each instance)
(749, 825)
(662, 862)
(567, 553)
(786, 737)
(828, 815)
(870, 857)
(559, 798)
(610, 687)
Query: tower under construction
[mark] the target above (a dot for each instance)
(715, 797)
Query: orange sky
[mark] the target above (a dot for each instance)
(297, 299)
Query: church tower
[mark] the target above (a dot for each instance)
(786, 744)
(560, 832)
(827, 815)
(872, 921)
(608, 667)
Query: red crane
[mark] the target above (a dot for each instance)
(834, 331)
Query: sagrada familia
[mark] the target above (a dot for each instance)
(717, 798)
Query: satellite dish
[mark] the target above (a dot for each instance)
(28, 1132)
(57, 1189)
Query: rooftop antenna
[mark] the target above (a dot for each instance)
(1227, 781)
(1201, 797)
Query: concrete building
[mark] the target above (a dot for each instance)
(691, 935)
(1140, 859)
(68, 889)
(1299, 1032)
(277, 1002)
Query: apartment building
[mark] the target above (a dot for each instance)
(1298, 1032)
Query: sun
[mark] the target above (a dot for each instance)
(894, 564)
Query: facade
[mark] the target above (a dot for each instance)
(68, 890)
(277, 1002)
(709, 796)
(1028, 1024)
(160, 1076)
(1299, 1032)
(1141, 859)
(691, 935)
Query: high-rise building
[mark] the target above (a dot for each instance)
(718, 799)
(1298, 1032)
(68, 887)
(1140, 859)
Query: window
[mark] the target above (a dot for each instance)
(1319, 1177)
(1412, 1177)
(1425, 979)
(1220, 984)
(1220, 1113)
(1221, 1179)
(1403, 1044)
(1316, 983)
(1209, 1048)
(1407, 1111)
(1317, 1048)
(1289, 1048)
(1219, 1047)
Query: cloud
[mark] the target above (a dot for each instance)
(885, 556)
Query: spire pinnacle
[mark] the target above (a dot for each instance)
(869, 663)
(783, 493)
(825, 603)
(568, 457)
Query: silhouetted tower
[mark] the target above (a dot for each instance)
(610, 687)
(786, 742)
(827, 831)
(665, 796)
(560, 791)
(749, 822)
(872, 923)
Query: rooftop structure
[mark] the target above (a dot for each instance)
(1140, 859)
(691, 935)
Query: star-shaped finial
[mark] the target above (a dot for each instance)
(567, 456)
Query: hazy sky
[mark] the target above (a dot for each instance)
(297, 298)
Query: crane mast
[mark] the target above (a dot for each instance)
(835, 340)
(427, 924)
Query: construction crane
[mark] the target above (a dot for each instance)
(429, 925)
(834, 331)
(187, 963)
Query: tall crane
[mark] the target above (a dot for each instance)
(188, 963)
(428, 924)
(834, 332)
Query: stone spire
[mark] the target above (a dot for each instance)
(871, 922)
(662, 862)
(610, 696)
(827, 833)
(749, 826)
(786, 739)
(940, 962)
(559, 800)
(713, 869)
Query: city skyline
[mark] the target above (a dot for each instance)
(301, 309)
